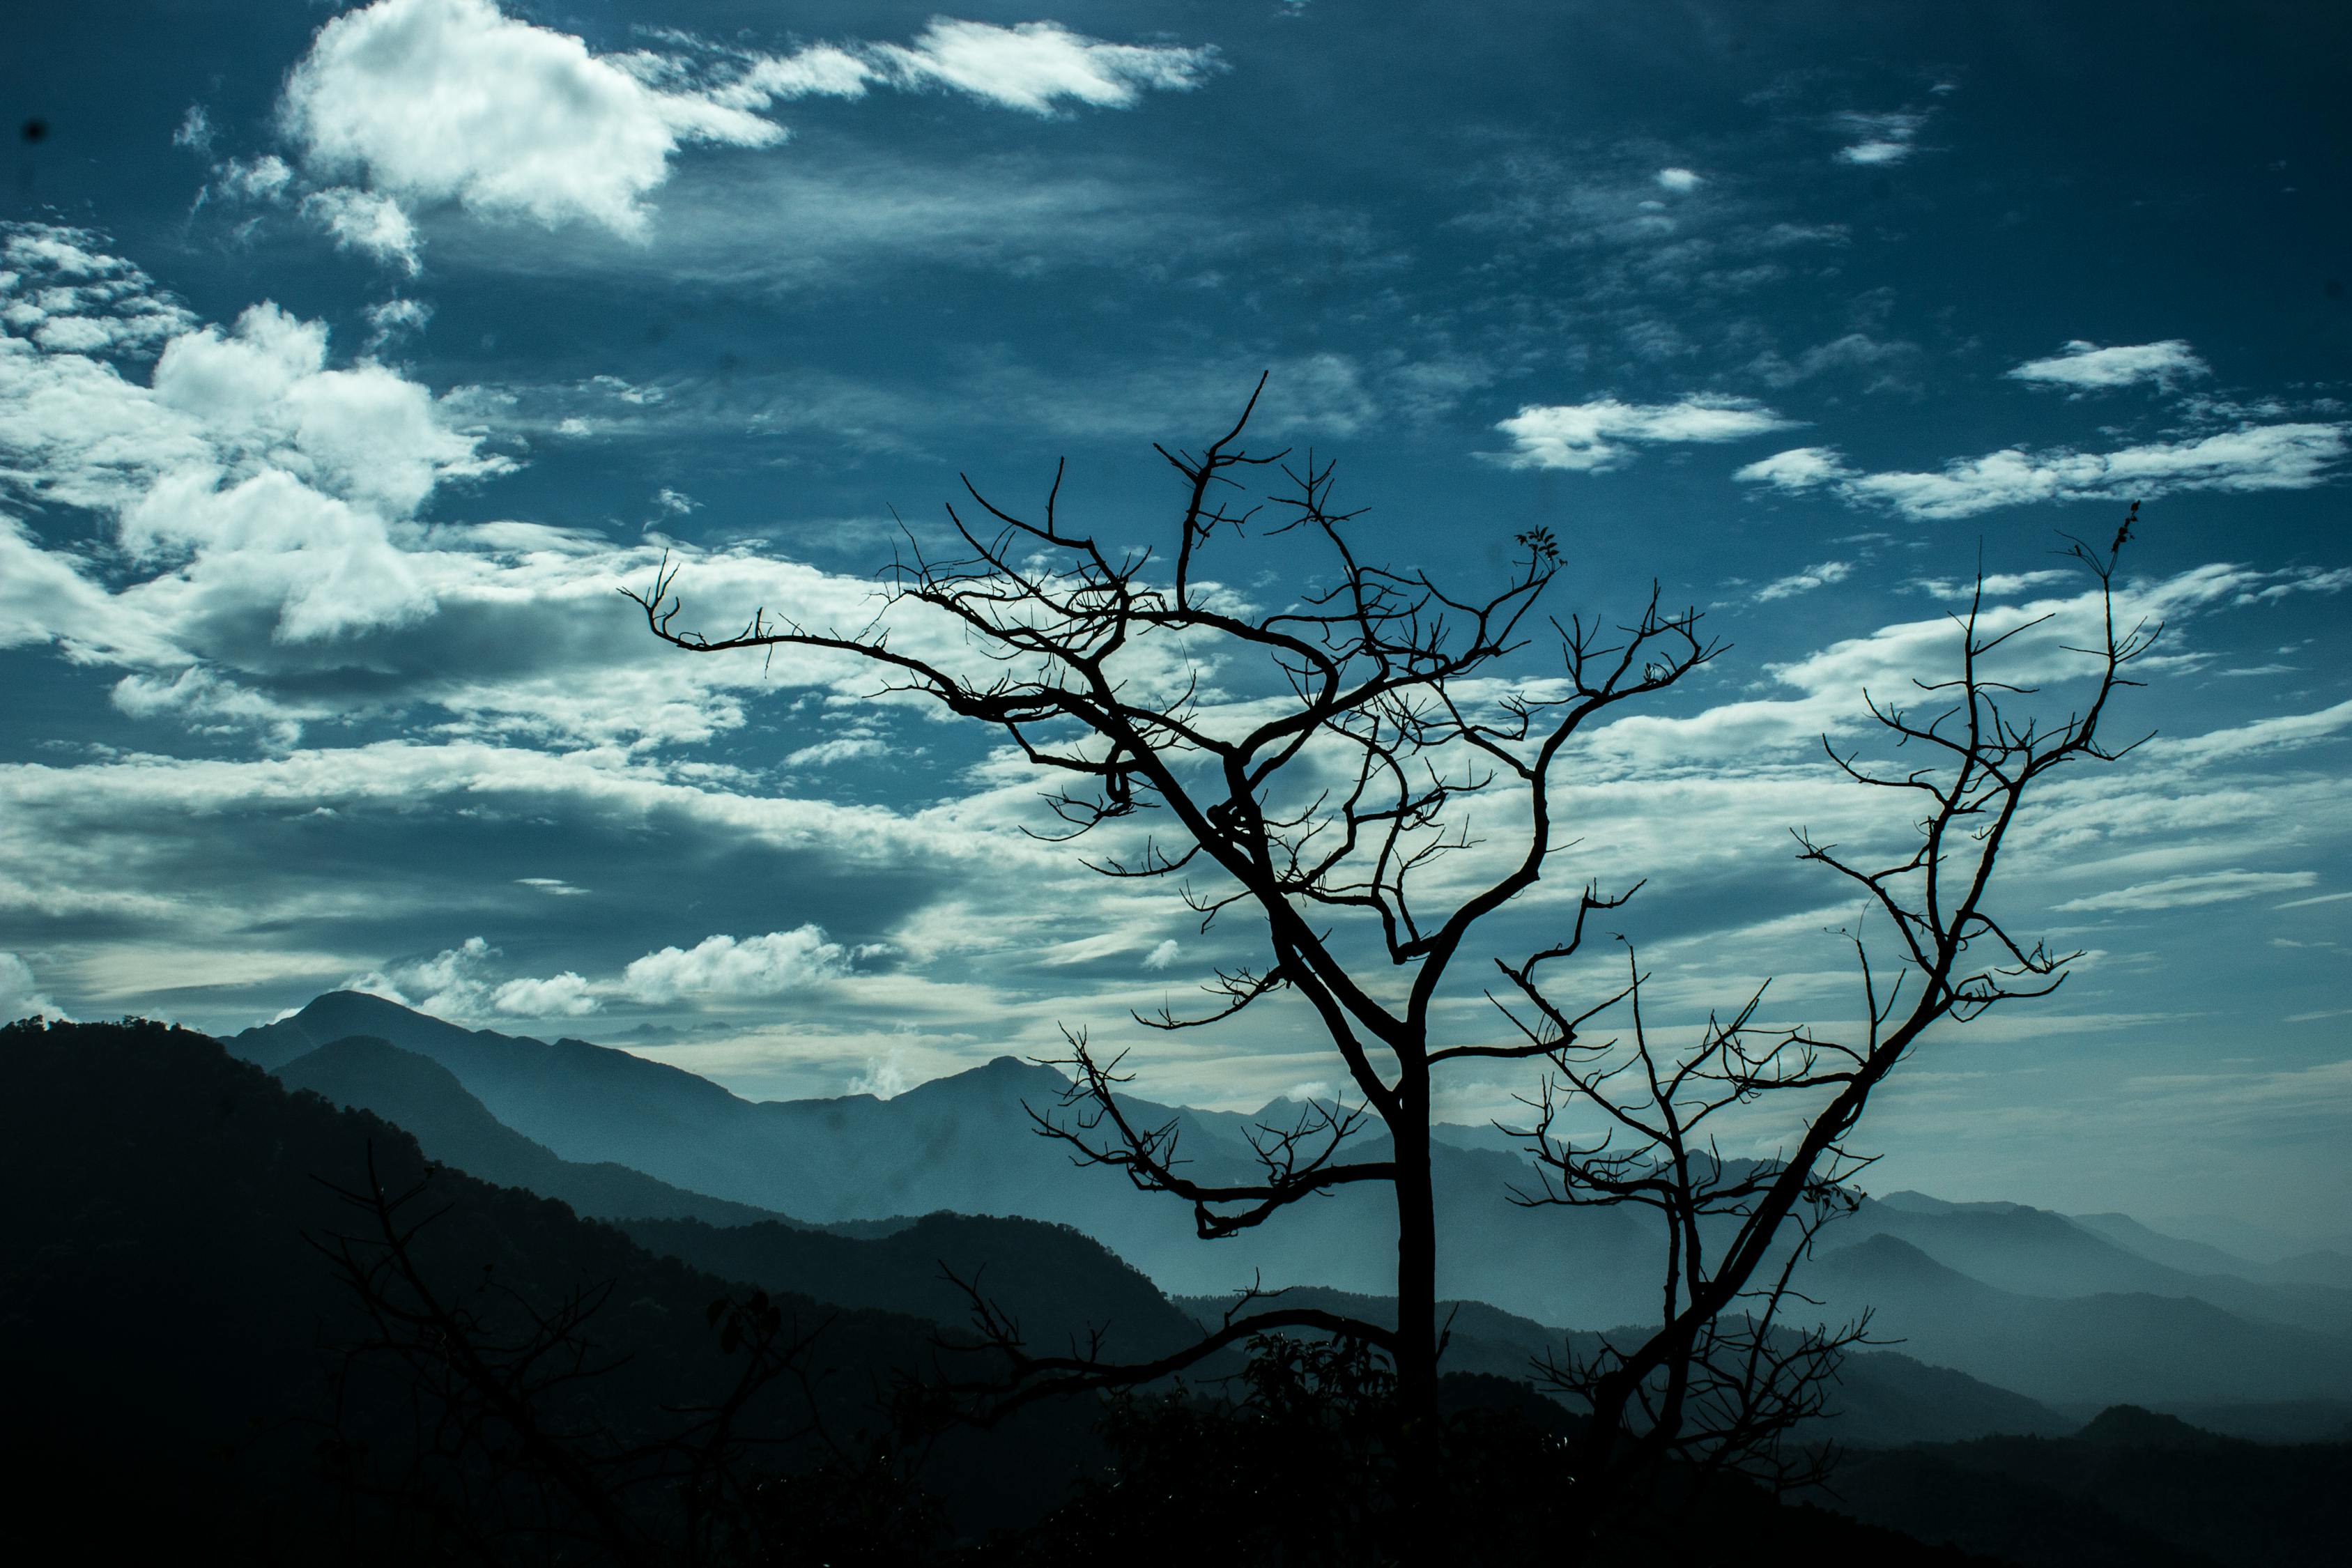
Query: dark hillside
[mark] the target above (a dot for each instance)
(154, 1200)
(1056, 1282)
(2147, 1484)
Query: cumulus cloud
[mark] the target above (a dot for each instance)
(2085, 366)
(452, 983)
(2190, 892)
(260, 496)
(1589, 437)
(565, 995)
(1162, 956)
(2251, 458)
(458, 981)
(724, 968)
(1679, 180)
(1879, 139)
(19, 998)
(434, 102)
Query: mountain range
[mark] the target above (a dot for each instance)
(157, 1194)
(2069, 1312)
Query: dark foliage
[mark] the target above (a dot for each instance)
(2132, 1488)
(176, 1326)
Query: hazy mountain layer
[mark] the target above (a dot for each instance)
(425, 1098)
(2133, 1348)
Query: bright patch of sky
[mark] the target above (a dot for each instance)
(352, 359)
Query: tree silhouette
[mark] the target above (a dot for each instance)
(1330, 801)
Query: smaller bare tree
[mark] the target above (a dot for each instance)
(1724, 1373)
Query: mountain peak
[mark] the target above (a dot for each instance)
(2131, 1426)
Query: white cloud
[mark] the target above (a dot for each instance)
(2190, 892)
(195, 131)
(363, 220)
(1799, 468)
(1163, 956)
(1879, 139)
(437, 100)
(565, 995)
(451, 100)
(265, 179)
(2251, 458)
(19, 998)
(1033, 66)
(1818, 575)
(2086, 365)
(1589, 437)
(395, 319)
(449, 984)
(722, 968)
(825, 754)
(1679, 180)
(252, 485)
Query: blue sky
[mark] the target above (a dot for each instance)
(351, 361)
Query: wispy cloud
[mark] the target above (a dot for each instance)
(1587, 437)
(2085, 366)
(1818, 575)
(1879, 139)
(2190, 891)
(2251, 458)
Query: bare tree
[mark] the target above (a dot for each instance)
(1722, 1374)
(1332, 806)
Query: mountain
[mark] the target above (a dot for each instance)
(426, 1100)
(2321, 1265)
(1883, 1399)
(163, 1206)
(1058, 1284)
(2038, 1253)
(967, 1144)
(2095, 1349)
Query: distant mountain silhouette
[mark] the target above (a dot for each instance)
(2036, 1252)
(2146, 1348)
(425, 1098)
(2321, 1265)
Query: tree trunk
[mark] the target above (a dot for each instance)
(1416, 1353)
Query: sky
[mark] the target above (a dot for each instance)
(351, 361)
